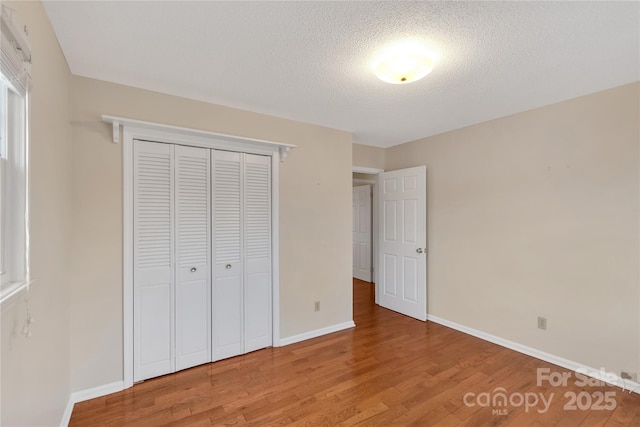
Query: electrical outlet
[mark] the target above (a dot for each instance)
(316, 306)
(542, 323)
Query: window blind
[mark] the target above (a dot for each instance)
(15, 50)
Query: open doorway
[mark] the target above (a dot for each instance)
(365, 218)
(362, 232)
(398, 236)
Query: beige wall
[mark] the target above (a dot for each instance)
(315, 217)
(35, 371)
(537, 214)
(368, 157)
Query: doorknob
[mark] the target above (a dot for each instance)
(193, 269)
(419, 250)
(228, 266)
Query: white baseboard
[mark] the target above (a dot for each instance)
(90, 393)
(66, 416)
(599, 374)
(103, 390)
(316, 333)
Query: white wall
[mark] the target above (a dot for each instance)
(315, 217)
(537, 214)
(35, 372)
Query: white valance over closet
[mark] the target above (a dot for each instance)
(200, 246)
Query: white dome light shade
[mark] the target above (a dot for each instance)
(403, 63)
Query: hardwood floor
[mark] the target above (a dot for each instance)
(389, 370)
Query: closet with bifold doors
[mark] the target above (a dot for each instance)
(202, 256)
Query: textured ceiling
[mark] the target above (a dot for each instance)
(311, 61)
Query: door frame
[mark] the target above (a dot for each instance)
(154, 132)
(374, 222)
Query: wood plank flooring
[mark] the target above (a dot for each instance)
(389, 370)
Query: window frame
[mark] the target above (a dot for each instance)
(14, 199)
(4, 265)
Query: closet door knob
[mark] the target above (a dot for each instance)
(193, 269)
(228, 266)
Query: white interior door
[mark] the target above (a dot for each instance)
(402, 241)
(257, 254)
(193, 255)
(242, 251)
(362, 233)
(228, 247)
(153, 241)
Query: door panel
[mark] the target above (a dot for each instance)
(257, 311)
(153, 241)
(390, 267)
(193, 254)
(410, 279)
(227, 320)
(192, 324)
(154, 330)
(389, 221)
(410, 231)
(402, 244)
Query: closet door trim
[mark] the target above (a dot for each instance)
(167, 134)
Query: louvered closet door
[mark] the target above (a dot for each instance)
(241, 242)
(193, 254)
(227, 291)
(153, 260)
(257, 254)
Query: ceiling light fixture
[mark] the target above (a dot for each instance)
(403, 62)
